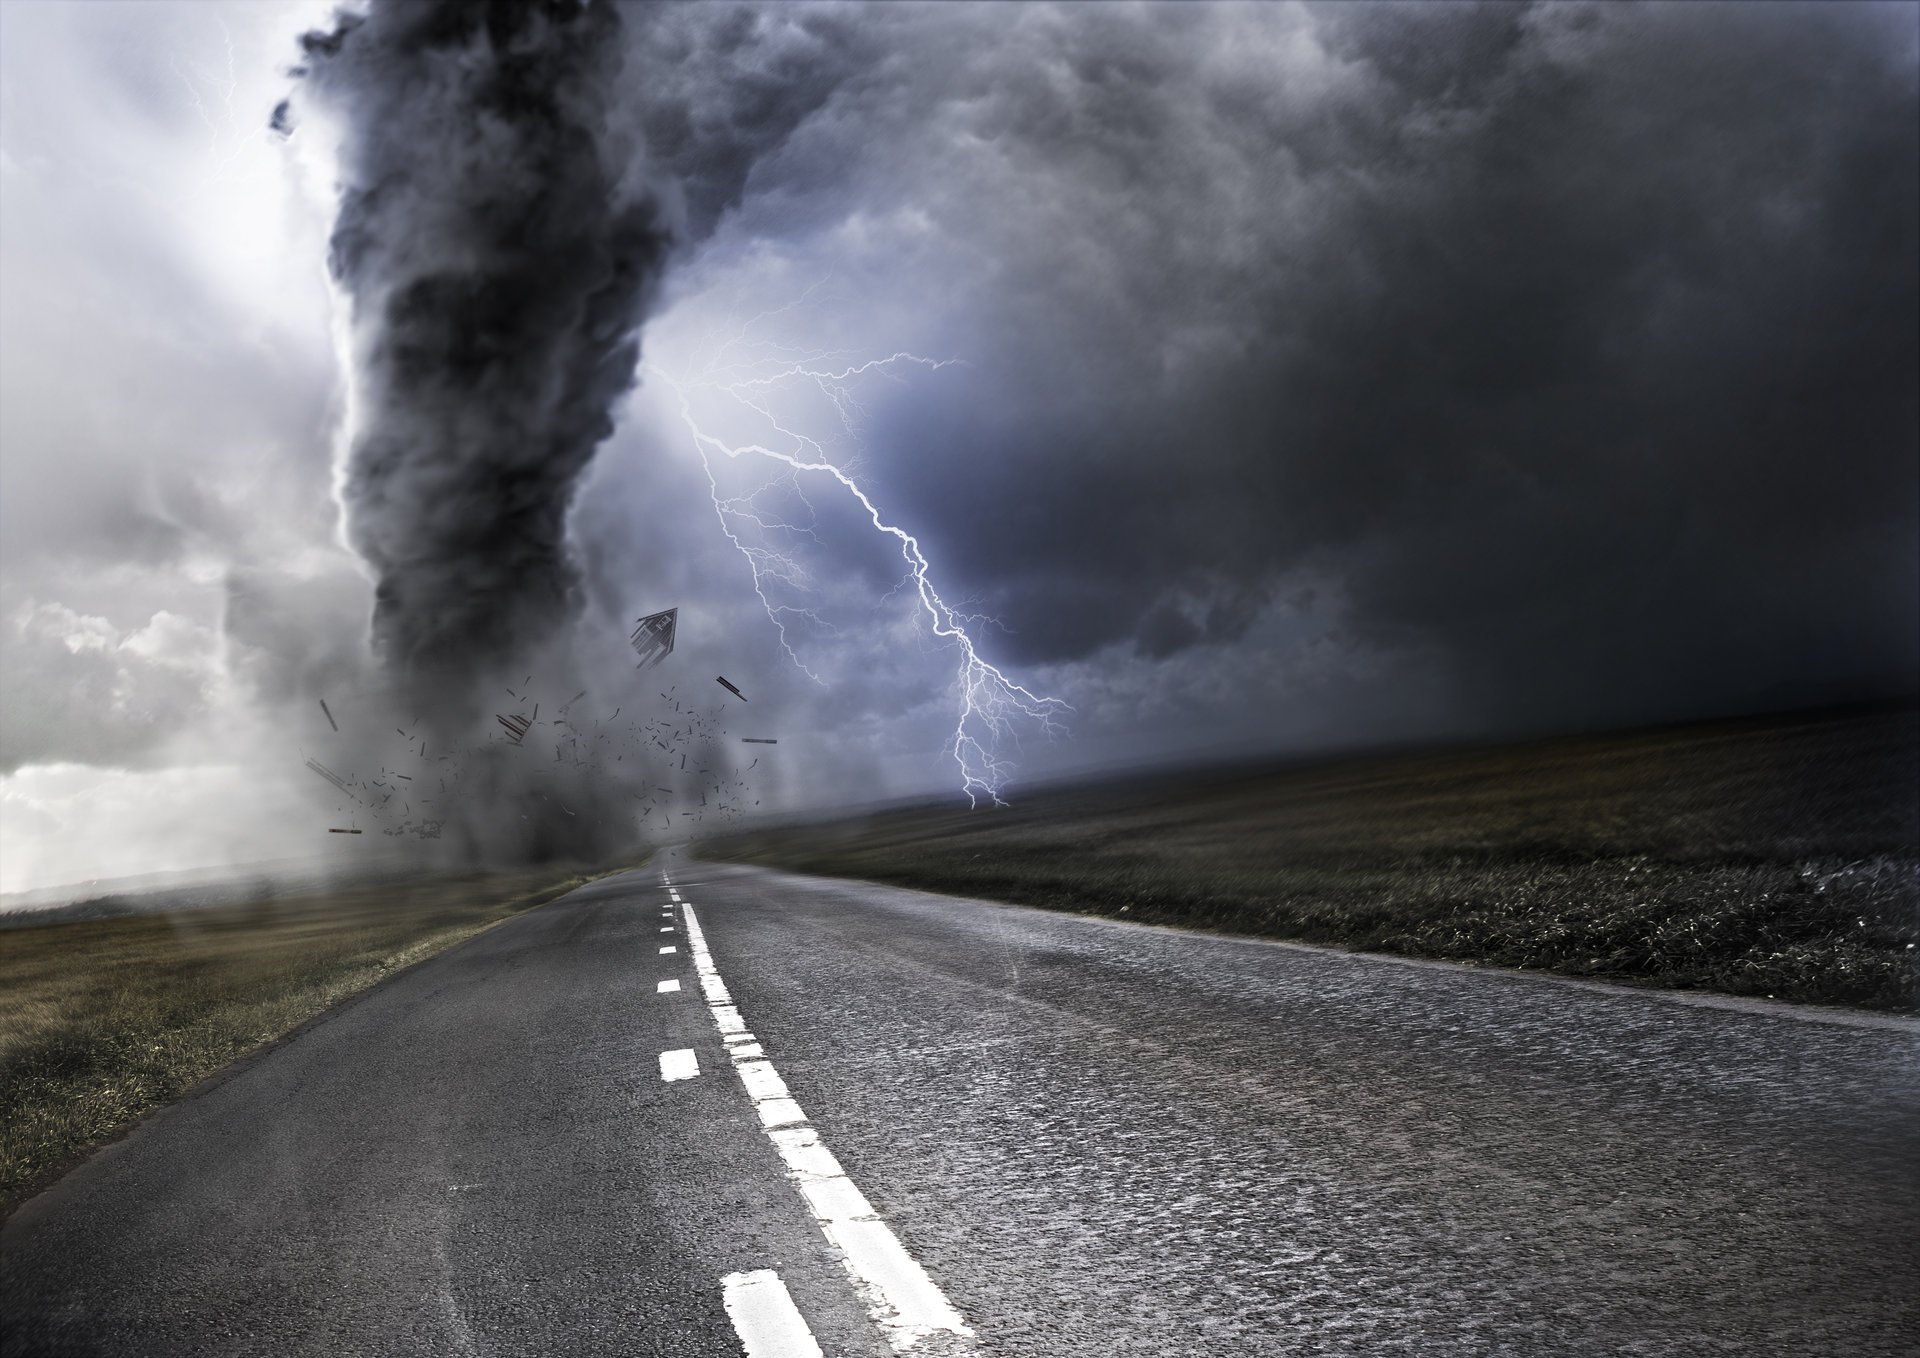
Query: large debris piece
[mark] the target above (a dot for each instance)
(652, 638)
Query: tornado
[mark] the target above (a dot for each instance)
(497, 252)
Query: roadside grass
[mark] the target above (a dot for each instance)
(103, 1021)
(1776, 857)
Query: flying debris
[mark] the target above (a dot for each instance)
(330, 721)
(335, 830)
(684, 733)
(722, 681)
(331, 777)
(652, 639)
(517, 726)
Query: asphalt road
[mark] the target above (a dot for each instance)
(1095, 1138)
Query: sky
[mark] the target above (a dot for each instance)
(1250, 379)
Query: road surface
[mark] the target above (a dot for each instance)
(904, 1122)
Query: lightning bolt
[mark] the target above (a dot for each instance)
(230, 132)
(758, 378)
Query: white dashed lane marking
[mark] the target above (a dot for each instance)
(679, 1065)
(899, 1296)
(765, 1318)
(669, 948)
(666, 987)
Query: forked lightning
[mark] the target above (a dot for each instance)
(992, 706)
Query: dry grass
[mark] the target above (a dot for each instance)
(102, 1021)
(1775, 857)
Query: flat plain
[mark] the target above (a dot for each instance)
(1775, 857)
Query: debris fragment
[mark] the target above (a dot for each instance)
(331, 777)
(652, 638)
(758, 740)
(722, 681)
(330, 721)
(336, 830)
(517, 726)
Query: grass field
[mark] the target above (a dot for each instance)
(1768, 857)
(102, 1021)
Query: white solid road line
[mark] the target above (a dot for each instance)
(765, 1318)
(679, 1065)
(901, 1298)
(666, 987)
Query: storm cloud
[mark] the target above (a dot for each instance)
(1575, 344)
(1564, 355)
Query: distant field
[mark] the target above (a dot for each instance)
(1769, 857)
(102, 1021)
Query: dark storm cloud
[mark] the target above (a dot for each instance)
(720, 87)
(1649, 323)
(1578, 343)
(499, 250)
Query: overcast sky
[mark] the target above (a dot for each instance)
(1326, 376)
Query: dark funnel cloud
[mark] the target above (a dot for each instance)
(499, 253)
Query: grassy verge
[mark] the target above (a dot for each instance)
(1777, 858)
(102, 1021)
